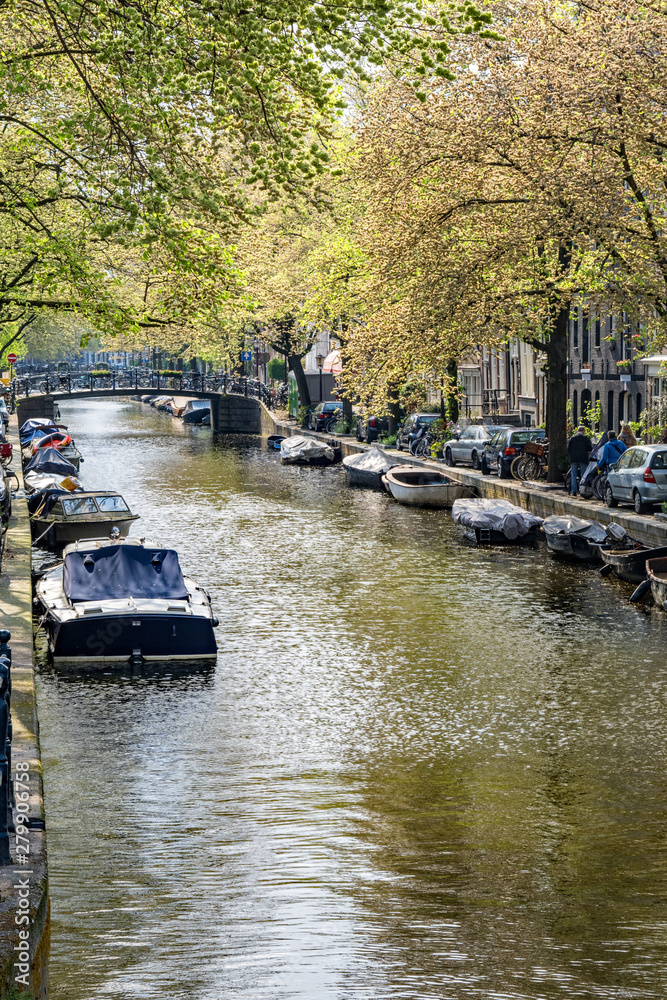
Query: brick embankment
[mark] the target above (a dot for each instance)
(16, 615)
(542, 501)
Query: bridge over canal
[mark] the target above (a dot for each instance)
(236, 406)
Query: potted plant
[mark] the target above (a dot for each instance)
(624, 367)
(611, 340)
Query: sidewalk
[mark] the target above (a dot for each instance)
(16, 615)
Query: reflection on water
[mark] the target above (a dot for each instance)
(418, 770)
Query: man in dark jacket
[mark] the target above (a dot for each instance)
(579, 448)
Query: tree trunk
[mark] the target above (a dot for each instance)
(452, 386)
(394, 418)
(556, 402)
(301, 380)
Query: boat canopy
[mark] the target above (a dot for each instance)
(121, 571)
(498, 515)
(32, 425)
(560, 524)
(373, 460)
(43, 501)
(50, 460)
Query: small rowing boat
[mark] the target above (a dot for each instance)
(656, 573)
(420, 487)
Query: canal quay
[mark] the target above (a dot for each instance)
(418, 769)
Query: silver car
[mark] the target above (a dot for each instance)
(469, 445)
(639, 477)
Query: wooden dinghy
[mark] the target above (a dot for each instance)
(656, 573)
(420, 487)
(630, 563)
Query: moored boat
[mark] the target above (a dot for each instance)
(574, 538)
(630, 563)
(495, 522)
(63, 518)
(124, 601)
(656, 574)
(47, 468)
(367, 468)
(62, 442)
(420, 487)
(306, 451)
(195, 410)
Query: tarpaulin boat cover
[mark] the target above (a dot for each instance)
(50, 460)
(118, 571)
(560, 524)
(35, 435)
(373, 460)
(498, 515)
(304, 449)
(45, 499)
(31, 425)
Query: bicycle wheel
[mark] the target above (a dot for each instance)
(514, 467)
(599, 484)
(530, 468)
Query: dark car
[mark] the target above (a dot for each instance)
(412, 426)
(370, 428)
(504, 447)
(323, 414)
(467, 446)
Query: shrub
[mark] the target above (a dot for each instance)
(276, 369)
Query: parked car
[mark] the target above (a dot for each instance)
(322, 414)
(639, 477)
(4, 413)
(370, 428)
(411, 427)
(503, 448)
(467, 447)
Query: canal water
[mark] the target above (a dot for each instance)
(418, 770)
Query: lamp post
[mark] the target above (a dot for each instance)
(319, 361)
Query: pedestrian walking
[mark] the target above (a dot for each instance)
(627, 437)
(579, 448)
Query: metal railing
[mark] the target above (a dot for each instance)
(7, 799)
(144, 381)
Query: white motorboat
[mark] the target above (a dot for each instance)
(306, 451)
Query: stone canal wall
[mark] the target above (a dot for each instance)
(24, 901)
(540, 501)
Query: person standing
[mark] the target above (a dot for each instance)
(611, 452)
(579, 448)
(627, 437)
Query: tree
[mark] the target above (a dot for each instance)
(533, 182)
(138, 139)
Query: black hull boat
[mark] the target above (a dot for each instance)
(195, 411)
(125, 601)
(630, 563)
(656, 574)
(573, 538)
(495, 522)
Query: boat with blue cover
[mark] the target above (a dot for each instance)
(124, 601)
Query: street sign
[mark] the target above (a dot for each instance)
(626, 378)
(12, 358)
(246, 355)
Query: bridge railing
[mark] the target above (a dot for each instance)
(144, 381)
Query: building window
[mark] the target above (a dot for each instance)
(574, 330)
(575, 419)
(610, 410)
(639, 405)
(585, 340)
(598, 331)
